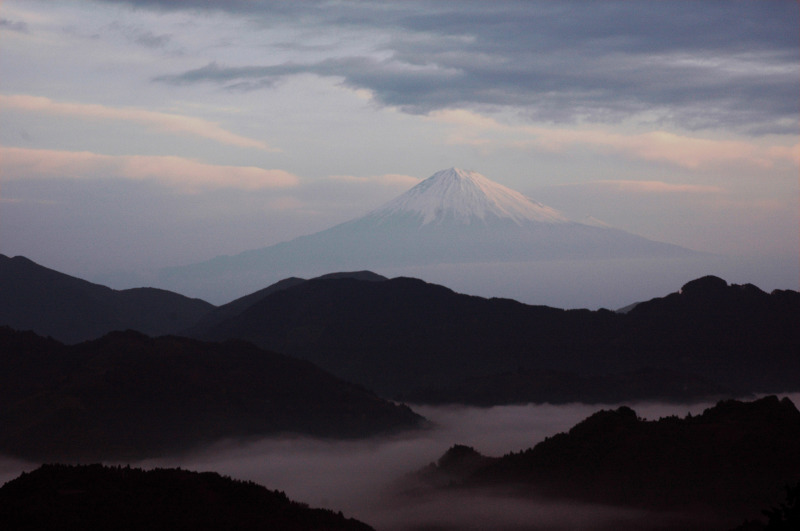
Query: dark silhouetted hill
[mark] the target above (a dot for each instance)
(127, 395)
(33, 297)
(405, 338)
(723, 467)
(235, 307)
(410, 340)
(96, 497)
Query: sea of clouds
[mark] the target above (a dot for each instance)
(366, 479)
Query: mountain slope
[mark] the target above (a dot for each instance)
(127, 395)
(33, 297)
(453, 217)
(407, 338)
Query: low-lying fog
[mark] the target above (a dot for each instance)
(357, 477)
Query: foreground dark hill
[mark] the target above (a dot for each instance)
(710, 471)
(33, 297)
(95, 498)
(407, 338)
(127, 395)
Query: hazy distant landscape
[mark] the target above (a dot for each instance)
(229, 406)
(402, 266)
(303, 385)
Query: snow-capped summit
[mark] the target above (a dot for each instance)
(466, 196)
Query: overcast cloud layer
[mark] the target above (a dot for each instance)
(141, 134)
(694, 65)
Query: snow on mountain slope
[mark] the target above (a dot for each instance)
(453, 217)
(466, 196)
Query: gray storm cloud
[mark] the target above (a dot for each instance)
(731, 65)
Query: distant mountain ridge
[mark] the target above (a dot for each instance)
(71, 310)
(453, 217)
(33, 297)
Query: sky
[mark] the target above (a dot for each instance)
(142, 134)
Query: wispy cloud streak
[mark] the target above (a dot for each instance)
(660, 187)
(166, 122)
(183, 174)
(656, 146)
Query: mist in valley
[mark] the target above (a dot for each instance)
(368, 479)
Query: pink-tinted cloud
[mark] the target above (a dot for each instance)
(389, 179)
(660, 187)
(655, 146)
(181, 173)
(661, 146)
(790, 153)
(165, 122)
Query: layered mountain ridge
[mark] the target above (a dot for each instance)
(416, 341)
(51, 303)
(411, 340)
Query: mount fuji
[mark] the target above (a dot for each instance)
(453, 217)
(457, 196)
